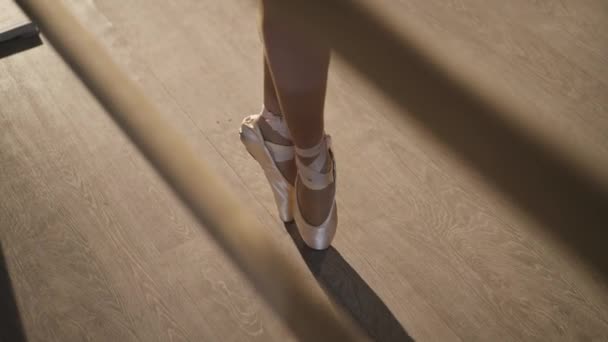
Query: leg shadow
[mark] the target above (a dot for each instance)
(347, 289)
(11, 329)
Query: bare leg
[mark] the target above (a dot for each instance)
(299, 69)
(271, 102)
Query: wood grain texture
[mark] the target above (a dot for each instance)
(10, 15)
(98, 248)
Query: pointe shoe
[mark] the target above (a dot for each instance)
(267, 154)
(316, 237)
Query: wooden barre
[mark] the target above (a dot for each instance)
(561, 197)
(306, 310)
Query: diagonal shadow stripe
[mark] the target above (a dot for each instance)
(11, 328)
(347, 289)
(543, 182)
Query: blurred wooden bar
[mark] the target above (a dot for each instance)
(305, 310)
(98, 248)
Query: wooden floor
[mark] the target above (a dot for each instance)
(98, 248)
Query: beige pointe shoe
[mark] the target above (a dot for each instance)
(316, 237)
(267, 154)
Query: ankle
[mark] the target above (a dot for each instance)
(318, 157)
(274, 128)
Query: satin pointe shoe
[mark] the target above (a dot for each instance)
(267, 154)
(316, 237)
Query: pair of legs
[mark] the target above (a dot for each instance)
(295, 83)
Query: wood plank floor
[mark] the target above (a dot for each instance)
(99, 249)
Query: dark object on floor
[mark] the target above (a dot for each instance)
(22, 30)
(18, 38)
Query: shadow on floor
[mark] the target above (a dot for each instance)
(545, 182)
(11, 329)
(13, 46)
(347, 289)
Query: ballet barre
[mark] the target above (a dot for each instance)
(306, 310)
(478, 130)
